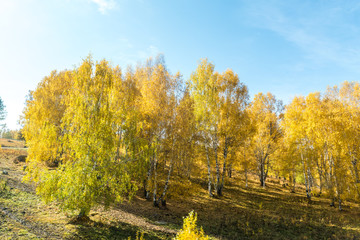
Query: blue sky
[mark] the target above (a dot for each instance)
(288, 48)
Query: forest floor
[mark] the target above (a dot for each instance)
(242, 213)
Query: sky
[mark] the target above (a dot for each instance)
(288, 48)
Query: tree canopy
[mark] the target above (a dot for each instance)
(97, 134)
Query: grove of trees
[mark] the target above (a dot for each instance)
(97, 134)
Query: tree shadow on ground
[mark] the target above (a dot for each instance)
(257, 213)
(247, 225)
(117, 230)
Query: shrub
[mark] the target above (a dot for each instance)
(139, 236)
(4, 188)
(190, 231)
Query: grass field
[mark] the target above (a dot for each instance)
(242, 213)
(11, 143)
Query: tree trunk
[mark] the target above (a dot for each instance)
(305, 177)
(355, 174)
(188, 168)
(145, 191)
(209, 172)
(84, 214)
(229, 170)
(119, 144)
(309, 183)
(340, 206)
(294, 181)
(332, 203)
(246, 177)
(262, 172)
(155, 183)
(163, 195)
(267, 166)
(215, 146)
(338, 191)
(330, 182)
(149, 174)
(338, 187)
(320, 172)
(220, 187)
(162, 199)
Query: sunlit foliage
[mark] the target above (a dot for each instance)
(190, 230)
(96, 134)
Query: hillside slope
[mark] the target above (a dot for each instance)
(242, 213)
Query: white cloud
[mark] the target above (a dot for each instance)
(105, 5)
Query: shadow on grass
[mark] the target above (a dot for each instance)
(260, 227)
(241, 213)
(119, 230)
(273, 214)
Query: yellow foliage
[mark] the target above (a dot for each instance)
(190, 231)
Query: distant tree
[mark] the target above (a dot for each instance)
(6, 133)
(2, 111)
(10, 134)
(20, 135)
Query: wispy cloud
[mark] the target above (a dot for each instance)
(105, 5)
(151, 51)
(131, 54)
(324, 35)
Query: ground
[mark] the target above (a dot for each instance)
(10, 143)
(242, 213)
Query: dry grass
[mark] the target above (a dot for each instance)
(24, 216)
(11, 143)
(257, 213)
(242, 213)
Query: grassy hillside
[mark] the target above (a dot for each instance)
(242, 213)
(10, 143)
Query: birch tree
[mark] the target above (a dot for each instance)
(265, 112)
(90, 172)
